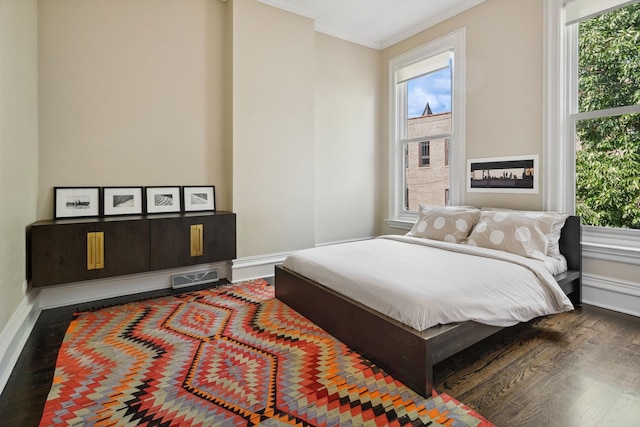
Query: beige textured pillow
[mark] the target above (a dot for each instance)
(446, 223)
(553, 238)
(520, 233)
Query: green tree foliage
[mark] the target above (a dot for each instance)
(608, 151)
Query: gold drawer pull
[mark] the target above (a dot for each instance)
(95, 250)
(196, 240)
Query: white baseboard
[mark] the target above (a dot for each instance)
(612, 294)
(254, 267)
(94, 290)
(15, 334)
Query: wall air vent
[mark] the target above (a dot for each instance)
(196, 278)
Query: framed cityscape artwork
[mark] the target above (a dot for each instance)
(516, 174)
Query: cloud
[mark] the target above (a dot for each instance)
(434, 88)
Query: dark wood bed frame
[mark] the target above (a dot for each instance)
(405, 353)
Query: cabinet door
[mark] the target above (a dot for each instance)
(170, 243)
(59, 253)
(126, 247)
(171, 240)
(218, 238)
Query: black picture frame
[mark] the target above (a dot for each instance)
(122, 201)
(166, 199)
(76, 202)
(199, 198)
(514, 174)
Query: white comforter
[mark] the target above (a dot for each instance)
(418, 283)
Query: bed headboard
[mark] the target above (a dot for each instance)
(570, 245)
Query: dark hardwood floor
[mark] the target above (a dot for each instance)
(574, 369)
(580, 368)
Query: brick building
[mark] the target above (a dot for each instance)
(427, 167)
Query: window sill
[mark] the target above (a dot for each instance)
(611, 244)
(401, 223)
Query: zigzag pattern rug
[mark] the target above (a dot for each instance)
(229, 356)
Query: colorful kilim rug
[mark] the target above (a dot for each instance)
(229, 356)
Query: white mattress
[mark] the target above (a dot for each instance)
(422, 282)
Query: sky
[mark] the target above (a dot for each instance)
(434, 88)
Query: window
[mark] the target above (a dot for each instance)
(591, 58)
(426, 92)
(424, 153)
(605, 114)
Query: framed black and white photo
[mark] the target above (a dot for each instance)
(163, 199)
(515, 174)
(122, 200)
(76, 202)
(199, 198)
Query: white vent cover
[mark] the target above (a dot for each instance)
(196, 278)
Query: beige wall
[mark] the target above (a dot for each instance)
(18, 145)
(132, 93)
(504, 84)
(618, 271)
(348, 141)
(273, 129)
(173, 93)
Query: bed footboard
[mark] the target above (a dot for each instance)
(401, 353)
(408, 355)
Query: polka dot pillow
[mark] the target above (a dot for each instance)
(446, 223)
(520, 233)
(553, 248)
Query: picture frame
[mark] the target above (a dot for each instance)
(76, 202)
(199, 198)
(122, 201)
(163, 199)
(513, 174)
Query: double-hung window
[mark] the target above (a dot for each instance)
(426, 131)
(592, 121)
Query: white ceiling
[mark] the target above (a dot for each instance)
(374, 23)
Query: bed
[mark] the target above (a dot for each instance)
(405, 352)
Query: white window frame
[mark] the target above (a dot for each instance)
(559, 99)
(397, 216)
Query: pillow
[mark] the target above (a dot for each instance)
(554, 237)
(553, 248)
(446, 223)
(517, 232)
